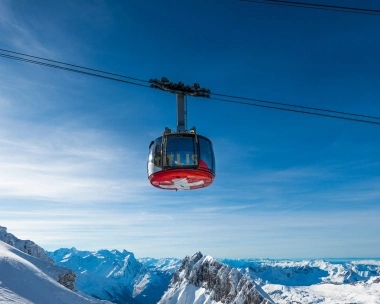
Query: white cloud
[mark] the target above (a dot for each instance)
(56, 163)
(219, 233)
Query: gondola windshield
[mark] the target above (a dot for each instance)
(181, 151)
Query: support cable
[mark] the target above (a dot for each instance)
(335, 8)
(73, 65)
(296, 106)
(297, 111)
(197, 91)
(69, 69)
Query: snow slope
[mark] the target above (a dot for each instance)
(62, 275)
(326, 293)
(22, 282)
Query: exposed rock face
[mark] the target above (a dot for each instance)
(67, 279)
(213, 282)
(62, 275)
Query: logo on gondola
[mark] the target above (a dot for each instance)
(182, 184)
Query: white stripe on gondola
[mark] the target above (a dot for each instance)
(182, 184)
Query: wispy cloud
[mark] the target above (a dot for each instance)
(65, 164)
(17, 31)
(246, 234)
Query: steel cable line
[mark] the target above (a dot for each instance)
(296, 106)
(344, 9)
(297, 111)
(220, 99)
(359, 9)
(76, 66)
(70, 69)
(223, 95)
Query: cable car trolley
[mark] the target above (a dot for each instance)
(181, 159)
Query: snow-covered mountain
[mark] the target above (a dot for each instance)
(62, 275)
(117, 276)
(26, 246)
(29, 275)
(24, 280)
(202, 279)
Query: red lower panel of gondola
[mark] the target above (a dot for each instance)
(181, 179)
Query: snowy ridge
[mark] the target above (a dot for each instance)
(26, 246)
(203, 279)
(117, 276)
(23, 280)
(38, 257)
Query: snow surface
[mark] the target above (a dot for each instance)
(327, 293)
(188, 294)
(22, 282)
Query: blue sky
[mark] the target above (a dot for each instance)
(73, 148)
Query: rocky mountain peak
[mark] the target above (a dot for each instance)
(218, 283)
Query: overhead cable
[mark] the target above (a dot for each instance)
(70, 69)
(296, 106)
(274, 105)
(343, 9)
(297, 111)
(73, 65)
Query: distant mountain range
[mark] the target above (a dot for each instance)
(315, 281)
(118, 276)
(104, 274)
(308, 272)
(28, 274)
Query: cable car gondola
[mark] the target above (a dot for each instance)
(181, 160)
